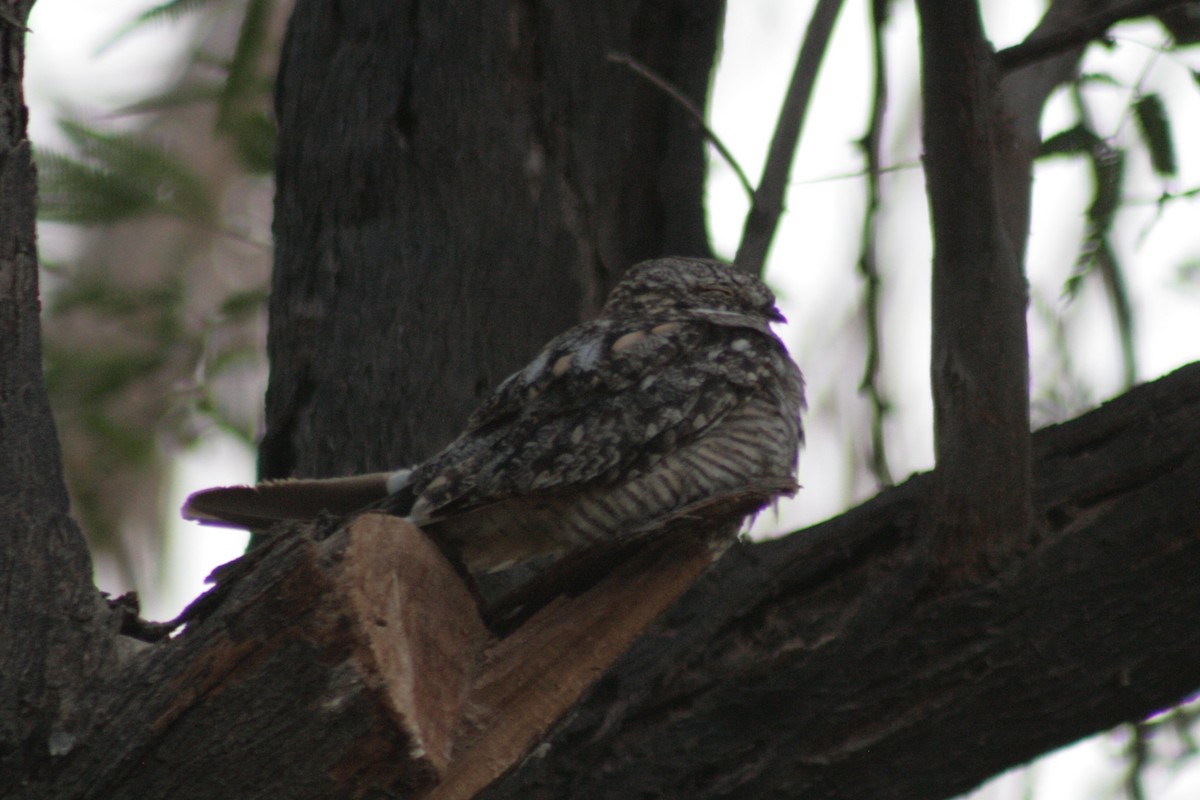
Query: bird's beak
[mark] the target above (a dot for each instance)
(775, 315)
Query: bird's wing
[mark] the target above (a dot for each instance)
(601, 403)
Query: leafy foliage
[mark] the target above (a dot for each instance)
(116, 176)
(140, 355)
(1151, 116)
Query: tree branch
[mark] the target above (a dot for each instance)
(820, 665)
(1045, 45)
(53, 639)
(763, 219)
(823, 666)
(871, 145)
(980, 360)
(693, 111)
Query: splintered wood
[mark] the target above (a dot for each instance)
(535, 675)
(421, 632)
(359, 665)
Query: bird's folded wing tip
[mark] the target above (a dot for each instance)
(199, 506)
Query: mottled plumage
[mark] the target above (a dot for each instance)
(677, 392)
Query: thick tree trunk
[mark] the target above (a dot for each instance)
(457, 183)
(53, 640)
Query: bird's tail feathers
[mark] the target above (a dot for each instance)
(260, 506)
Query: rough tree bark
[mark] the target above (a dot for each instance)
(836, 662)
(53, 635)
(832, 664)
(457, 183)
(980, 360)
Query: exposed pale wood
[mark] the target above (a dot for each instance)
(537, 674)
(318, 667)
(422, 631)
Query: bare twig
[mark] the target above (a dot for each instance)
(868, 265)
(11, 19)
(1137, 754)
(693, 110)
(1079, 34)
(846, 176)
(764, 215)
(1098, 253)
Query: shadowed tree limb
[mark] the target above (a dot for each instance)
(759, 229)
(1078, 32)
(822, 665)
(55, 634)
(980, 359)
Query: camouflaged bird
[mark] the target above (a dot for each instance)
(677, 393)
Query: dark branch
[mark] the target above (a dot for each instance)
(824, 665)
(691, 108)
(1079, 34)
(763, 218)
(868, 263)
(980, 360)
(53, 642)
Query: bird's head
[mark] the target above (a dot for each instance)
(691, 287)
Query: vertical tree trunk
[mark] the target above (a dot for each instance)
(50, 615)
(980, 358)
(458, 182)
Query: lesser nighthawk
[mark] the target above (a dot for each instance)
(677, 393)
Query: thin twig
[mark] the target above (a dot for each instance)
(1137, 754)
(688, 106)
(11, 19)
(1099, 253)
(1081, 33)
(868, 265)
(858, 173)
(763, 218)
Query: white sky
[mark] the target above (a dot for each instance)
(813, 261)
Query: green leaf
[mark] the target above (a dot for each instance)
(171, 10)
(239, 305)
(1108, 178)
(242, 87)
(242, 104)
(94, 291)
(254, 139)
(1151, 116)
(176, 97)
(1098, 77)
(74, 192)
(89, 378)
(116, 176)
(168, 12)
(1187, 274)
(1113, 275)
(1072, 141)
(1108, 169)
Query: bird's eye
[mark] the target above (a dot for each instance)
(717, 295)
